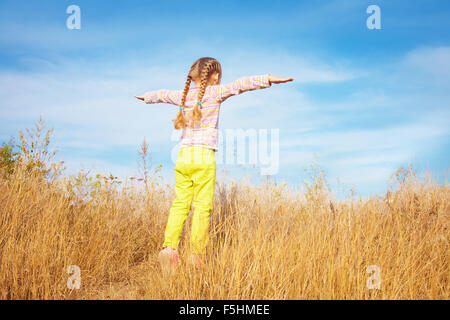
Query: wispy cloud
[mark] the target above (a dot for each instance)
(431, 60)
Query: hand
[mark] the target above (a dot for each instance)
(139, 97)
(275, 79)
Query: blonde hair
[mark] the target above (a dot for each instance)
(200, 71)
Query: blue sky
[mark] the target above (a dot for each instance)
(364, 102)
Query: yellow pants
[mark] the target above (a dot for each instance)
(195, 176)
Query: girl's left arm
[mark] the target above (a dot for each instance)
(161, 96)
(248, 84)
(242, 85)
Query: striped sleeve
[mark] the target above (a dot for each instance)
(242, 85)
(163, 96)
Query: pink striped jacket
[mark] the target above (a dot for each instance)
(205, 132)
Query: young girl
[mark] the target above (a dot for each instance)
(195, 169)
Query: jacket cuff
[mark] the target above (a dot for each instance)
(265, 81)
(148, 97)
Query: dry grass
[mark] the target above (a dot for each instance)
(267, 241)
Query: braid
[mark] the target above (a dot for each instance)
(180, 121)
(200, 71)
(204, 77)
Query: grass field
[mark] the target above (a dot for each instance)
(267, 241)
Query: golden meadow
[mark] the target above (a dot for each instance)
(267, 241)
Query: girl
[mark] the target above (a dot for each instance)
(195, 169)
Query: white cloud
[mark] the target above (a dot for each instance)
(303, 68)
(364, 159)
(408, 136)
(433, 60)
(94, 111)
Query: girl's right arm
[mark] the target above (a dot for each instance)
(161, 96)
(248, 84)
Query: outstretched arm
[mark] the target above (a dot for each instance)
(161, 96)
(248, 84)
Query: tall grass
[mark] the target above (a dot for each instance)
(267, 241)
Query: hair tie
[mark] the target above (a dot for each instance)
(199, 103)
(181, 108)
